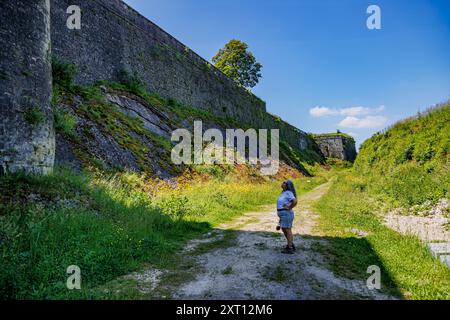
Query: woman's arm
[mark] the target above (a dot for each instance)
(292, 204)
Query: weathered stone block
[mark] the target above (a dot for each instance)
(445, 259)
(439, 248)
(27, 140)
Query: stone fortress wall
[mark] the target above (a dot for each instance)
(27, 138)
(337, 146)
(113, 38)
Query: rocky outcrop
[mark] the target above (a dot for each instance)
(338, 146)
(27, 141)
(153, 119)
(113, 136)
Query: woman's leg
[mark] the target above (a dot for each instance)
(285, 234)
(288, 235)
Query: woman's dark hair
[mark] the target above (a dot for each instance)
(290, 187)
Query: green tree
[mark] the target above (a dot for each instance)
(238, 63)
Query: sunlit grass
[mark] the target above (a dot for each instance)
(109, 224)
(406, 264)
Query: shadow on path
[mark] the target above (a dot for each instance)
(243, 260)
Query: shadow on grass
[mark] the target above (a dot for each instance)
(50, 223)
(351, 257)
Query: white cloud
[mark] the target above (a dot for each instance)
(360, 111)
(318, 111)
(366, 122)
(321, 112)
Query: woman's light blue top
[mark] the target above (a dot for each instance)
(285, 198)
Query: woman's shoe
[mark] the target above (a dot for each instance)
(287, 250)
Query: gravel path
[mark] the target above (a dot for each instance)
(253, 267)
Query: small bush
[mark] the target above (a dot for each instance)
(406, 155)
(34, 115)
(222, 199)
(63, 73)
(177, 207)
(172, 102)
(212, 170)
(132, 82)
(65, 123)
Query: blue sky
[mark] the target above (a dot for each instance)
(323, 68)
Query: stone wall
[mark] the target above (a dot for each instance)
(337, 146)
(27, 140)
(114, 37)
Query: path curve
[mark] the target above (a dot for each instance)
(254, 268)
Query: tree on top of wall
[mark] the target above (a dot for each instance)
(238, 63)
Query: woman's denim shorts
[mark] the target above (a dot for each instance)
(286, 218)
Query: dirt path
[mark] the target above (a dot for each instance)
(253, 267)
(242, 260)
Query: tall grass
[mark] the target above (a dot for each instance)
(406, 264)
(409, 163)
(405, 165)
(108, 225)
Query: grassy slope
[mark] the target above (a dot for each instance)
(408, 269)
(409, 163)
(406, 165)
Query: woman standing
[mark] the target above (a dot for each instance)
(285, 203)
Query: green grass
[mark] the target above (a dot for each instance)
(407, 267)
(403, 166)
(106, 232)
(108, 225)
(409, 163)
(338, 133)
(65, 123)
